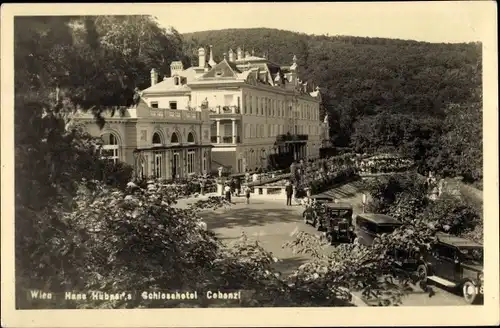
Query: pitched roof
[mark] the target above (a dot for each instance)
(224, 69)
(168, 84)
(250, 58)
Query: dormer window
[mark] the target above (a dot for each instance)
(177, 80)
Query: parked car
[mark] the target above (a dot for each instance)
(338, 222)
(310, 214)
(457, 263)
(370, 225)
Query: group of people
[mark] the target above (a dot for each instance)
(234, 188)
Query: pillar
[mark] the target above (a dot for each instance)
(168, 164)
(235, 132)
(218, 130)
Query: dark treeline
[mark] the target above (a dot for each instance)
(93, 62)
(418, 98)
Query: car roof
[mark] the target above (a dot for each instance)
(379, 218)
(456, 241)
(324, 196)
(340, 206)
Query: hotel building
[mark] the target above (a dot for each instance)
(242, 113)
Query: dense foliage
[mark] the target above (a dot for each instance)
(382, 93)
(63, 63)
(79, 223)
(405, 197)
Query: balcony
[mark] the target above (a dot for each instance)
(175, 114)
(292, 137)
(225, 110)
(224, 139)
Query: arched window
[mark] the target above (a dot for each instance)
(174, 138)
(156, 139)
(190, 137)
(110, 147)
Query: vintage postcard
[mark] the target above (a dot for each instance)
(249, 164)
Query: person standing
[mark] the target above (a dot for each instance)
(238, 186)
(289, 193)
(203, 185)
(247, 193)
(233, 186)
(227, 191)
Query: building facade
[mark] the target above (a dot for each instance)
(262, 114)
(161, 136)
(243, 113)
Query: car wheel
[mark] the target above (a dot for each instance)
(422, 272)
(469, 292)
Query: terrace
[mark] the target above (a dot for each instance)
(292, 138)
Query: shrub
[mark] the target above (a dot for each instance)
(452, 215)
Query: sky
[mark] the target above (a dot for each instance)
(423, 21)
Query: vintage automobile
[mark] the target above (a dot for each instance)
(457, 263)
(369, 225)
(338, 222)
(310, 213)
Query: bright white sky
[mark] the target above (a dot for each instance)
(424, 21)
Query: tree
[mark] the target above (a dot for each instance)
(460, 152)
(404, 196)
(406, 84)
(61, 65)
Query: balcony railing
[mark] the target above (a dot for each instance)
(224, 139)
(225, 110)
(292, 137)
(175, 114)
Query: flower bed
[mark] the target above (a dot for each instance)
(384, 163)
(323, 174)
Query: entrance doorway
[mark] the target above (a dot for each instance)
(175, 165)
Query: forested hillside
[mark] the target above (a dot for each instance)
(422, 99)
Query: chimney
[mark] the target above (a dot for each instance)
(247, 54)
(211, 61)
(224, 56)
(239, 53)
(176, 67)
(231, 55)
(154, 77)
(201, 57)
